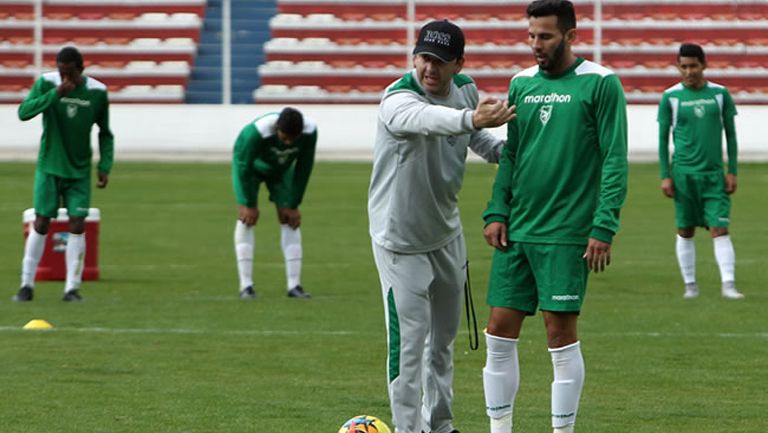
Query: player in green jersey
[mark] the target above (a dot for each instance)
(71, 103)
(554, 210)
(697, 111)
(279, 150)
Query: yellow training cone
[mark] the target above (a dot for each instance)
(38, 324)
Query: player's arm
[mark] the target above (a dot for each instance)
(665, 122)
(496, 214)
(106, 144)
(42, 95)
(304, 164)
(243, 172)
(729, 113)
(611, 114)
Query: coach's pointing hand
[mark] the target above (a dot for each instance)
(491, 112)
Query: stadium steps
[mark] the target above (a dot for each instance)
(250, 30)
(205, 79)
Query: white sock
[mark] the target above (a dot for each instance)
(568, 366)
(501, 378)
(726, 258)
(75, 255)
(33, 251)
(290, 241)
(686, 257)
(244, 242)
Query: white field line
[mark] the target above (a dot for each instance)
(276, 332)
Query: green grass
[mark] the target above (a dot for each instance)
(162, 343)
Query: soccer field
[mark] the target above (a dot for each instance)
(163, 344)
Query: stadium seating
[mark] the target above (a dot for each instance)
(142, 49)
(349, 50)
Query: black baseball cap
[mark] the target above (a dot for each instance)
(441, 39)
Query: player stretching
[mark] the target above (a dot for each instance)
(697, 111)
(554, 209)
(279, 150)
(71, 103)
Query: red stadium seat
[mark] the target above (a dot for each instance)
(171, 27)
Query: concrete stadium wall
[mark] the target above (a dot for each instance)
(346, 132)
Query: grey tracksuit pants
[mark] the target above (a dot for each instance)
(422, 303)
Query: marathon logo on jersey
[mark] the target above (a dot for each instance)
(552, 98)
(699, 111)
(545, 112)
(80, 102)
(565, 298)
(698, 102)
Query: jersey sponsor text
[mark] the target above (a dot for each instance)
(553, 97)
(565, 297)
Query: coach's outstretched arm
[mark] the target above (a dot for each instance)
(406, 113)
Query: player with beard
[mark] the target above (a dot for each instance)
(554, 209)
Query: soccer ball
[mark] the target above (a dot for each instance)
(364, 424)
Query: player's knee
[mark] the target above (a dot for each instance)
(718, 231)
(77, 225)
(42, 224)
(498, 329)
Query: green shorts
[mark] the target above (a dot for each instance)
(701, 200)
(51, 192)
(279, 187)
(552, 277)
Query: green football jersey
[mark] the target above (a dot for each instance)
(65, 147)
(697, 118)
(563, 174)
(260, 155)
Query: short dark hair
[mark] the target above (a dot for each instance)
(562, 9)
(290, 121)
(692, 50)
(70, 55)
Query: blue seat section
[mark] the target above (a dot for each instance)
(250, 30)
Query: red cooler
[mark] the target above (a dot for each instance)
(53, 264)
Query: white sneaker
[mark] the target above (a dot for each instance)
(691, 291)
(729, 291)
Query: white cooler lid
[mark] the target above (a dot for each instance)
(94, 214)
